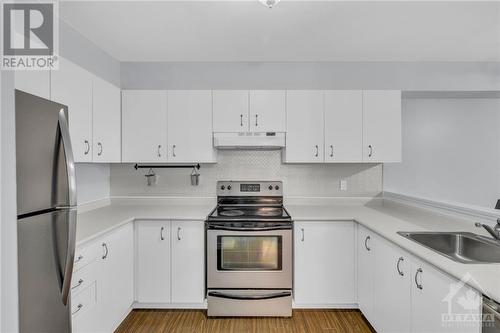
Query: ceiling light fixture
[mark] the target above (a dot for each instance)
(269, 3)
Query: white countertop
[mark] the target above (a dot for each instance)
(384, 217)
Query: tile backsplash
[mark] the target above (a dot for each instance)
(299, 180)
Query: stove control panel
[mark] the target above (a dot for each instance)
(250, 188)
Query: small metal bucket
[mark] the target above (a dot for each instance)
(195, 178)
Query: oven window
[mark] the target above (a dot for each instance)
(249, 253)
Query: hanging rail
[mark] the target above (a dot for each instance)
(163, 166)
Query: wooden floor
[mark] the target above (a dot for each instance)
(187, 321)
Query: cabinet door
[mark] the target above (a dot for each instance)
(391, 292)
(304, 124)
(324, 263)
(116, 292)
(106, 122)
(33, 82)
(382, 126)
(190, 126)
(188, 261)
(71, 85)
(365, 249)
(144, 126)
(230, 111)
(436, 297)
(343, 126)
(153, 262)
(267, 111)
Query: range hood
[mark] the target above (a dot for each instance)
(250, 140)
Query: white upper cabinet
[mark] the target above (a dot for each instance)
(33, 82)
(144, 126)
(343, 126)
(190, 126)
(188, 262)
(230, 111)
(72, 86)
(267, 111)
(106, 122)
(381, 126)
(304, 125)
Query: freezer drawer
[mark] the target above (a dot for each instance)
(250, 303)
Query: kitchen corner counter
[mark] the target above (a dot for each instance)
(384, 217)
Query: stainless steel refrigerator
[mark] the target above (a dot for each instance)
(46, 214)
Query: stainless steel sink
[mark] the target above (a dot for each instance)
(462, 247)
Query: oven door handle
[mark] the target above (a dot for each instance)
(250, 297)
(250, 229)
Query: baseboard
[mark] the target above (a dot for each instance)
(325, 306)
(138, 305)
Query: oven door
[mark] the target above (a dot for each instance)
(249, 258)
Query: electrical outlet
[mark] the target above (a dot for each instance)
(343, 185)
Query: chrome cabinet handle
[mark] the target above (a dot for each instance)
(159, 150)
(317, 151)
(256, 120)
(302, 239)
(419, 285)
(105, 246)
(179, 233)
(161, 233)
(100, 149)
(78, 308)
(87, 147)
(78, 284)
(173, 151)
(241, 120)
(331, 150)
(80, 257)
(400, 272)
(366, 243)
(370, 151)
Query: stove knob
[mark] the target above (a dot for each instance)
(229, 187)
(222, 187)
(276, 187)
(270, 187)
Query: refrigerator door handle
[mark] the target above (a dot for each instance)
(70, 257)
(68, 153)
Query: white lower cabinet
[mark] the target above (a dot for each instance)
(153, 262)
(170, 262)
(324, 264)
(398, 293)
(188, 261)
(102, 290)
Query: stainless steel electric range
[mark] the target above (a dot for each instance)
(249, 251)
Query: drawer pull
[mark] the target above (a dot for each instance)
(78, 284)
(105, 246)
(419, 285)
(78, 308)
(400, 272)
(80, 257)
(366, 243)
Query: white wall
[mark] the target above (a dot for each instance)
(451, 151)
(92, 182)
(304, 180)
(466, 76)
(8, 267)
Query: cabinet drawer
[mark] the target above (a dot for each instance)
(84, 277)
(84, 300)
(86, 255)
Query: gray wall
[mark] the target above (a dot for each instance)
(75, 47)
(8, 225)
(300, 180)
(467, 76)
(451, 151)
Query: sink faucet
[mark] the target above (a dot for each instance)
(494, 232)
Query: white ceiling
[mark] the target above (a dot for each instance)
(291, 31)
